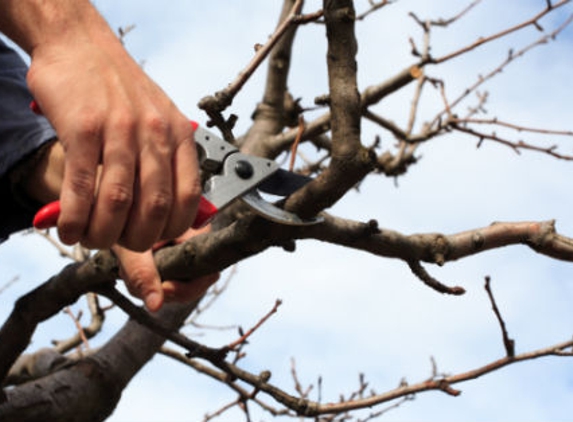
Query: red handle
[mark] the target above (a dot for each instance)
(48, 215)
(205, 213)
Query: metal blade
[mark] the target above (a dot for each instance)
(270, 212)
(283, 183)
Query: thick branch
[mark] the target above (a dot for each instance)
(90, 388)
(351, 162)
(214, 252)
(48, 299)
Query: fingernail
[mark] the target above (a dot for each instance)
(153, 301)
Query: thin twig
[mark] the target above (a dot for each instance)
(511, 57)
(484, 40)
(508, 343)
(214, 293)
(374, 7)
(79, 328)
(445, 22)
(296, 143)
(6, 286)
(214, 105)
(516, 127)
(96, 323)
(143, 317)
(244, 337)
(516, 146)
(297, 384)
(444, 383)
(420, 272)
(223, 409)
(309, 408)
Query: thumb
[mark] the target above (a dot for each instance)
(140, 276)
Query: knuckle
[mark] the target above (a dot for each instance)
(159, 205)
(119, 198)
(125, 124)
(158, 128)
(82, 183)
(138, 281)
(88, 124)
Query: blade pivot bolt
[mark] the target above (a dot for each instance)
(244, 169)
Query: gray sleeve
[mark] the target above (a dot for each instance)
(21, 131)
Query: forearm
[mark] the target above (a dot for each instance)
(35, 23)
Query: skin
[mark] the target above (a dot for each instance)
(44, 183)
(129, 176)
(109, 116)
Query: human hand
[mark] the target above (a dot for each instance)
(107, 111)
(43, 184)
(142, 279)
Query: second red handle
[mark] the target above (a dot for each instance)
(48, 215)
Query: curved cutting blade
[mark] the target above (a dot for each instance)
(270, 212)
(283, 183)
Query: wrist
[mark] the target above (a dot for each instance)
(40, 176)
(37, 25)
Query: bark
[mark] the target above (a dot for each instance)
(89, 389)
(269, 118)
(351, 162)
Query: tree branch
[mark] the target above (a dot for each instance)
(213, 252)
(351, 162)
(269, 117)
(308, 408)
(534, 21)
(440, 248)
(215, 104)
(508, 343)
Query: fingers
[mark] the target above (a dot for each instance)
(195, 289)
(115, 193)
(78, 186)
(141, 277)
(142, 280)
(148, 188)
(153, 190)
(186, 187)
(106, 111)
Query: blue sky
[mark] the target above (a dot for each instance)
(346, 312)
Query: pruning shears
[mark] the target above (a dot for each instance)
(227, 175)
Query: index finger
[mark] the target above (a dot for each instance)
(78, 187)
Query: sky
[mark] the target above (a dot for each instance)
(346, 312)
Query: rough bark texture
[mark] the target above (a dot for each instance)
(89, 389)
